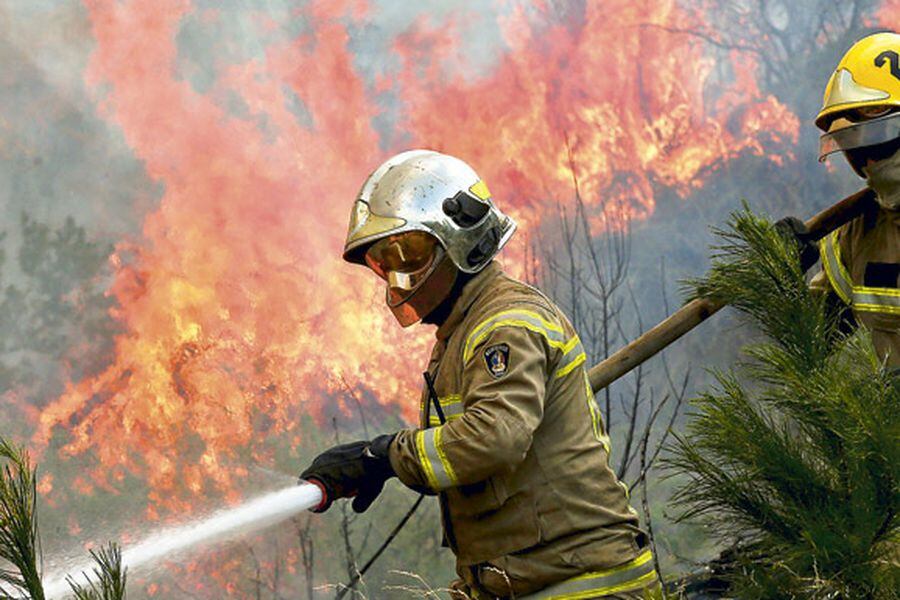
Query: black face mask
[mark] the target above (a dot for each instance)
(859, 157)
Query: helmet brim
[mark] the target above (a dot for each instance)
(859, 135)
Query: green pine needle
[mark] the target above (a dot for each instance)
(793, 459)
(19, 543)
(107, 581)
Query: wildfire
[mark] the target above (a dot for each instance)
(888, 15)
(236, 305)
(239, 317)
(628, 97)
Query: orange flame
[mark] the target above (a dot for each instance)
(630, 98)
(888, 15)
(239, 317)
(237, 304)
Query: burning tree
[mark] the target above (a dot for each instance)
(793, 459)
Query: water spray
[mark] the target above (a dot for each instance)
(168, 542)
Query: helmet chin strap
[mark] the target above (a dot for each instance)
(884, 177)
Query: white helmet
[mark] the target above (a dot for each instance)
(457, 227)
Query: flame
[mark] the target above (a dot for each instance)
(888, 14)
(236, 303)
(627, 96)
(239, 318)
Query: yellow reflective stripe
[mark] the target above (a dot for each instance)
(635, 584)
(571, 345)
(635, 574)
(449, 401)
(435, 421)
(423, 460)
(641, 559)
(834, 268)
(514, 318)
(596, 415)
(438, 471)
(872, 299)
(877, 308)
(452, 407)
(861, 298)
(876, 291)
(528, 313)
(451, 475)
(579, 359)
(836, 246)
(573, 355)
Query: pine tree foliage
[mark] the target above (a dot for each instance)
(20, 542)
(108, 579)
(793, 459)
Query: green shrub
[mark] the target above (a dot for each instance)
(792, 459)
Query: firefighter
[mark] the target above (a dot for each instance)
(860, 117)
(510, 436)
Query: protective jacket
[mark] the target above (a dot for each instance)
(528, 500)
(861, 265)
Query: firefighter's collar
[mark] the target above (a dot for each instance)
(469, 293)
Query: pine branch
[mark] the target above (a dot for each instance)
(107, 581)
(19, 543)
(793, 458)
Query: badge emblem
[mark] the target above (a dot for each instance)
(497, 360)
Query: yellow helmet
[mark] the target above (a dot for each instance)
(861, 110)
(868, 76)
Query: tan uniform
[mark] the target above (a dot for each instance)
(861, 265)
(521, 465)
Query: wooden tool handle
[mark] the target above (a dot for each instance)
(696, 311)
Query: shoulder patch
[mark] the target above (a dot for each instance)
(496, 358)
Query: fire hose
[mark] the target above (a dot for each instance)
(433, 397)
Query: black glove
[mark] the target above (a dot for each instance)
(355, 469)
(792, 227)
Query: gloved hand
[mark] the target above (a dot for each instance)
(792, 227)
(356, 469)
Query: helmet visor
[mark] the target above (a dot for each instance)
(859, 135)
(414, 305)
(418, 271)
(403, 260)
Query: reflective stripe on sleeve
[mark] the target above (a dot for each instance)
(596, 416)
(834, 268)
(515, 318)
(573, 355)
(633, 575)
(861, 298)
(453, 409)
(881, 300)
(434, 462)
